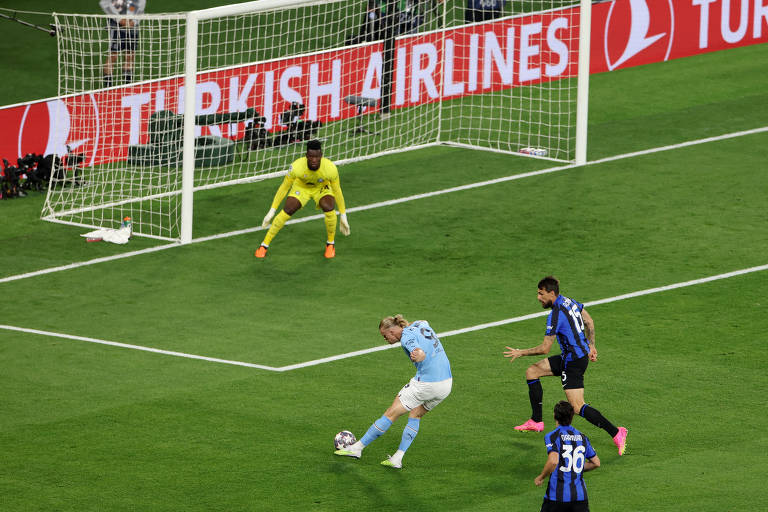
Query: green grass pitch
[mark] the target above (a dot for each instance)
(90, 427)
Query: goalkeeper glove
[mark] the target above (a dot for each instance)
(268, 217)
(344, 228)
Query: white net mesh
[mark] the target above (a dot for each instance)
(366, 77)
(100, 179)
(523, 98)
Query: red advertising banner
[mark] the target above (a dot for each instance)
(466, 60)
(629, 33)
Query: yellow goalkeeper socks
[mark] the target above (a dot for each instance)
(276, 226)
(330, 225)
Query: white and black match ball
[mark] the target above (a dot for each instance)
(343, 439)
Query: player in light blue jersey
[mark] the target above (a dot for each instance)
(430, 386)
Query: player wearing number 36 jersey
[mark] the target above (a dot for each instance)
(569, 455)
(430, 386)
(574, 330)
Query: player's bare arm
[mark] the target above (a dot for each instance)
(543, 349)
(552, 460)
(592, 463)
(589, 332)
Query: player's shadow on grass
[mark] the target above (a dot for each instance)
(522, 459)
(387, 487)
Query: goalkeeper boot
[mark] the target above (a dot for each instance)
(531, 426)
(261, 252)
(620, 440)
(392, 463)
(330, 250)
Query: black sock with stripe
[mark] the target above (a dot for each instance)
(536, 394)
(593, 416)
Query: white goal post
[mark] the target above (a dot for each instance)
(158, 107)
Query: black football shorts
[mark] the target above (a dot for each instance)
(571, 374)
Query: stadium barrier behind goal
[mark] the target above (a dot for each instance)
(228, 95)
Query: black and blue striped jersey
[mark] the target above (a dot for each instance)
(566, 323)
(566, 482)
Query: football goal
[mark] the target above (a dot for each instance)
(157, 107)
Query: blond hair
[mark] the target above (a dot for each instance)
(391, 321)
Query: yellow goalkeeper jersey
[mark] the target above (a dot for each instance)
(326, 174)
(300, 175)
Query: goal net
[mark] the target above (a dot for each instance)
(367, 77)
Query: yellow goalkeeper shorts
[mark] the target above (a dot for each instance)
(304, 194)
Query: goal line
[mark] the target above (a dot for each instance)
(391, 202)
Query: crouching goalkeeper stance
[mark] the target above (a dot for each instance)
(315, 177)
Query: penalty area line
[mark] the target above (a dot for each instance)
(522, 318)
(136, 347)
(380, 348)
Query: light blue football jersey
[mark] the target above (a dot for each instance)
(435, 367)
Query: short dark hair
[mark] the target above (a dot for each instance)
(563, 413)
(550, 284)
(314, 144)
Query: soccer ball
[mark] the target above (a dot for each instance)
(344, 439)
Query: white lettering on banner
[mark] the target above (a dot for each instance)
(703, 21)
(135, 102)
(288, 94)
(159, 100)
(450, 87)
(332, 89)
(269, 95)
(557, 46)
(400, 77)
(202, 88)
(59, 124)
(725, 21)
(372, 81)
(213, 90)
(238, 98)
(504, 66)
(474, 50)
(528, 50)
(760, 14)
(419, 74)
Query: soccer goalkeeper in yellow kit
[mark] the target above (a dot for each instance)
(312, 177)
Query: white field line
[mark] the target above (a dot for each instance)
(135, 347)
(379, 348)
(388, 203)
(536, 315)
(369, 207)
